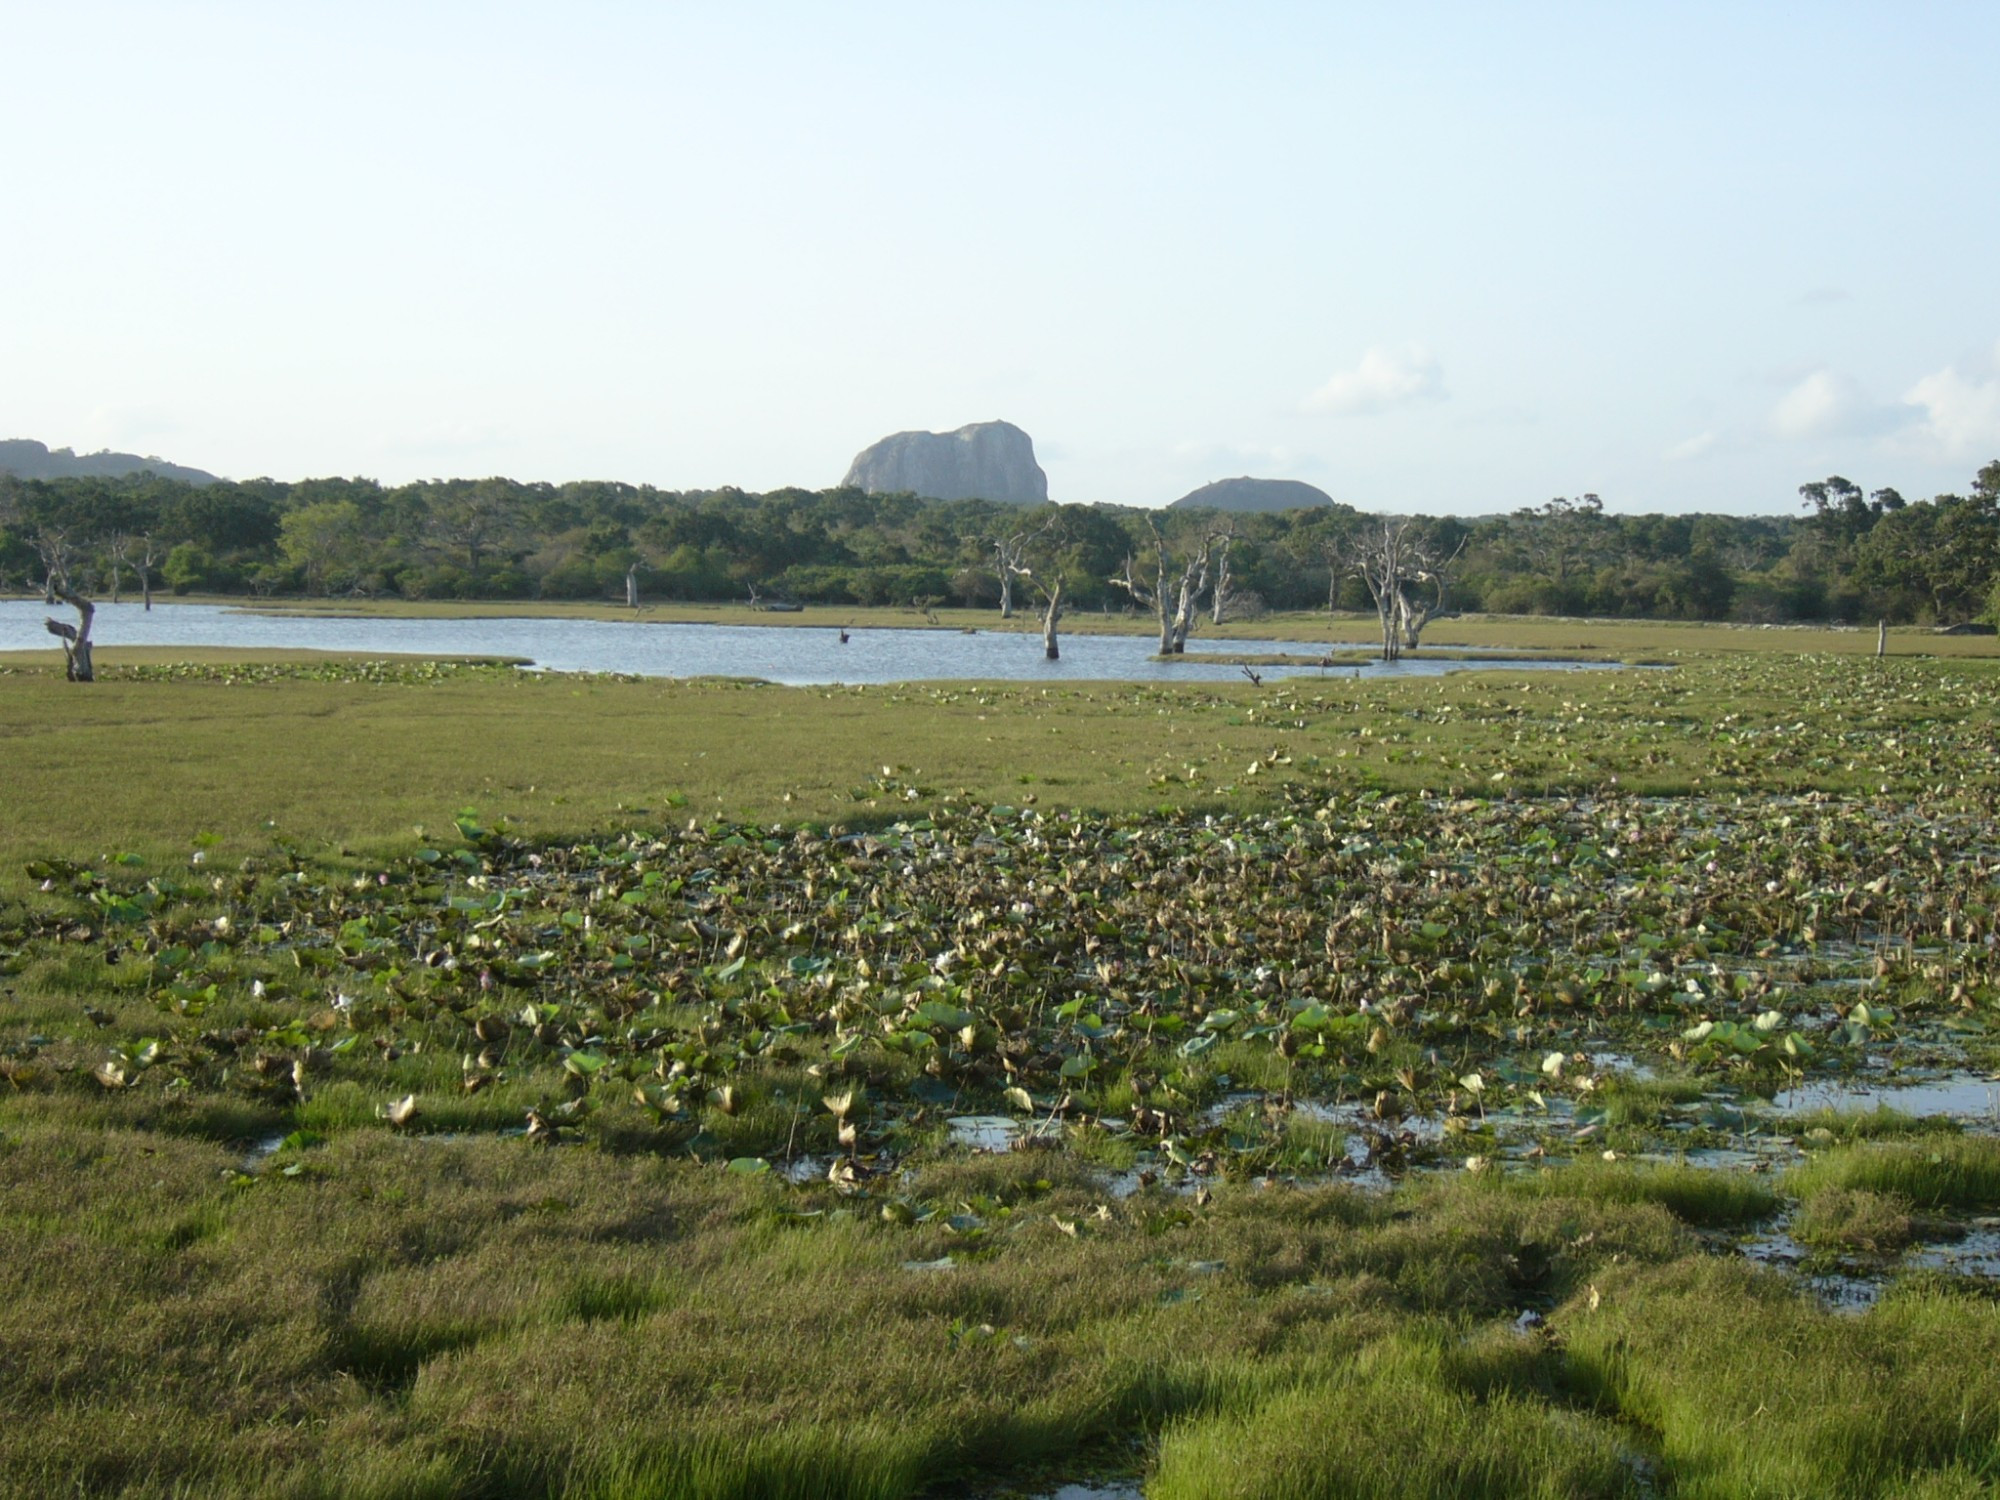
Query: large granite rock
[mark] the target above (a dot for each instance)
(27, 459)
(1253, 494)
(981, 461)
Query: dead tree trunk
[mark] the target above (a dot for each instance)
(1154, 598)
(1194, 582)
(1175, 607)
(75, 638)
(1392, 564)
(1413, 617)
(1224, 595)
(1010, 560)
(1051, 618)
(632, 587)
(148, 559)
(1007, 568)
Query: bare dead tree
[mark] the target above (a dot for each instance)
(1047, 575)
(1175, 605)
(1052, 611)
(1223, 595)
(119, 547)
(1010, 555)
(152, 553)
(52, 545)
(75, 638)
(1406, 575)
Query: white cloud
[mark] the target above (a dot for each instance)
(1823, 403)
(1961, 413)
(1693, 447)
(1385, 379)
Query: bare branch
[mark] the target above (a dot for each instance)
(1393, 563)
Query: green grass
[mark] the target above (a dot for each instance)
(1853, 1219)
(1695, 1195)
(1746, 1391)
(1429, 1413)
(1949, 1172)
(1880, 1123)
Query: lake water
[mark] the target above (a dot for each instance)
(795, 652)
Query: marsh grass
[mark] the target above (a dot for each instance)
(1747, 1390)
(1695, 1195)
(1646, 1101)
(481, 1316)
(1421, 1414)
(1949, 1172)
(1853, 1219)
(1880, 1123)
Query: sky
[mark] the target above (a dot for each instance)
(1431, 258)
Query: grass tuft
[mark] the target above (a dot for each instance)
(1953, 1172)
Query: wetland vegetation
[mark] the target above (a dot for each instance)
(428, 1080)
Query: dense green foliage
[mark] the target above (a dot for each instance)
(1853, 557)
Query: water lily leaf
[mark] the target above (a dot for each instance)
(937, 1013)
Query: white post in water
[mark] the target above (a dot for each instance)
(1882, 638)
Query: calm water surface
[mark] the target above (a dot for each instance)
(795, 653)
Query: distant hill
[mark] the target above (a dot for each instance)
(27, 459)
(1253, 494)
(981, 461)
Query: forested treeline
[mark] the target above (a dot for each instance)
(1848, 554)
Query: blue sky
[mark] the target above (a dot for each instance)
(1450, 258)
